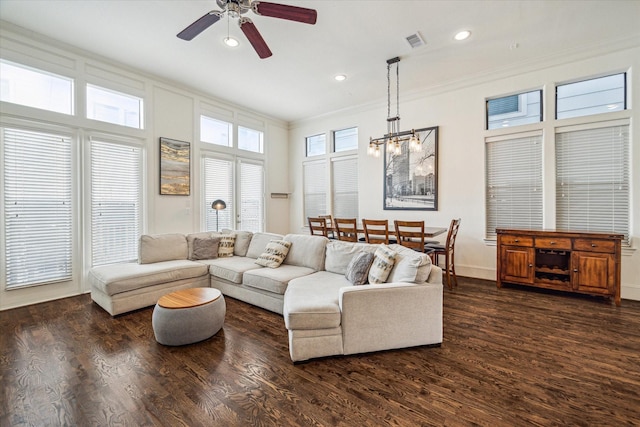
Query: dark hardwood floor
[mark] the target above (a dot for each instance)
(510, 357)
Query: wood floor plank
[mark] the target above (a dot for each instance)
(510, 357)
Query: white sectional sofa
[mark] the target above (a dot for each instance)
(325, 314)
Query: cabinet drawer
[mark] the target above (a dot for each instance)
(552, 243)
(517, 241)
(594, 245)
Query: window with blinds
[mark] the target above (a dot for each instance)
(513, 182)
(344, 191)
(592, 180)
(315, 188)
(251, 196)
(116, 197)
(38, 208)
(218, 184)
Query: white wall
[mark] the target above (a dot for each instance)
(459, 112)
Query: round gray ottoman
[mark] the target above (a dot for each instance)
(188, 316)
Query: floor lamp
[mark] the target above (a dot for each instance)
(218, 205)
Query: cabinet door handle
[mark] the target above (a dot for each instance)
(575, 270)
(516, 240)
(552, 243)
(530, 265)
(593, 245)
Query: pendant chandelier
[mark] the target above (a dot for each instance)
(394, 137)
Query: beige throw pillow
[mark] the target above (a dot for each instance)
(205, 248)
(383, 261)
(274, 254)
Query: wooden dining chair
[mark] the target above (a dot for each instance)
(376, 230)
(331, 233)
(448, 250)
(346, 229)
(411, 235)
(317, 226)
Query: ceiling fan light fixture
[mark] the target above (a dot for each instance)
(231, 42)
(462, 35)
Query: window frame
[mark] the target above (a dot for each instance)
(108, 90)
(591, 79)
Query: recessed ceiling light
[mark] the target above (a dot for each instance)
(340, 77)
(462, 35)
(231, 42)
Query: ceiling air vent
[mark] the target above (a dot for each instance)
(415, 40)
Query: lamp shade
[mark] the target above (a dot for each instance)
(218, 205)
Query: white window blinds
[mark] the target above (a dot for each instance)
(218, 184)
(514, 182)
(116, 194)
(345, 187)
(251, 196)
(38, 207)
(592, 180)
(315, 188)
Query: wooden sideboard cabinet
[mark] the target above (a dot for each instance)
(587, 263)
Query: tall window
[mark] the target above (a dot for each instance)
(315, 188)
(116, 195)
(114, 107)
(22, 85)
(345, 187)
(592, 180)
(218, 184)
(38, 207)
(513, 182)
(251, 196)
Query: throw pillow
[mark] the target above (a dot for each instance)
(225, 248)
(274, 254)
(383, 261)
(358, 269)
(205, 248)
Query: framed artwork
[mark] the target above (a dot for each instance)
(175, 167)
(411, 177)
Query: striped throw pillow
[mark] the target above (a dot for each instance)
(274, 254)
(383, 260)
(225, 248)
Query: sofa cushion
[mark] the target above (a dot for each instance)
(339, 255)
(162, 247)
(205, 248)
(311, 302)
(259, 242)
(116, 278)
(231, 269)
(383, 261)
(227, 243)
(191, 237)
(358, 269)
(274, 279)
(306, 251)
(410, 266)
(243, 239)
(275, 252)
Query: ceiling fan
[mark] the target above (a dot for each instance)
(237, 8)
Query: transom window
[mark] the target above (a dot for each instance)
(593, 96)
(514, 110)
(114, 107)
(250, 140)
(344, 140)
(215, 131)
(35, 88)
(316, 145)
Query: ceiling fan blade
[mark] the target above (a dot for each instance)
(283, 11)
(256, 40)
(200, 25)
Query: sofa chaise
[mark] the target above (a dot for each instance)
(311, 285)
